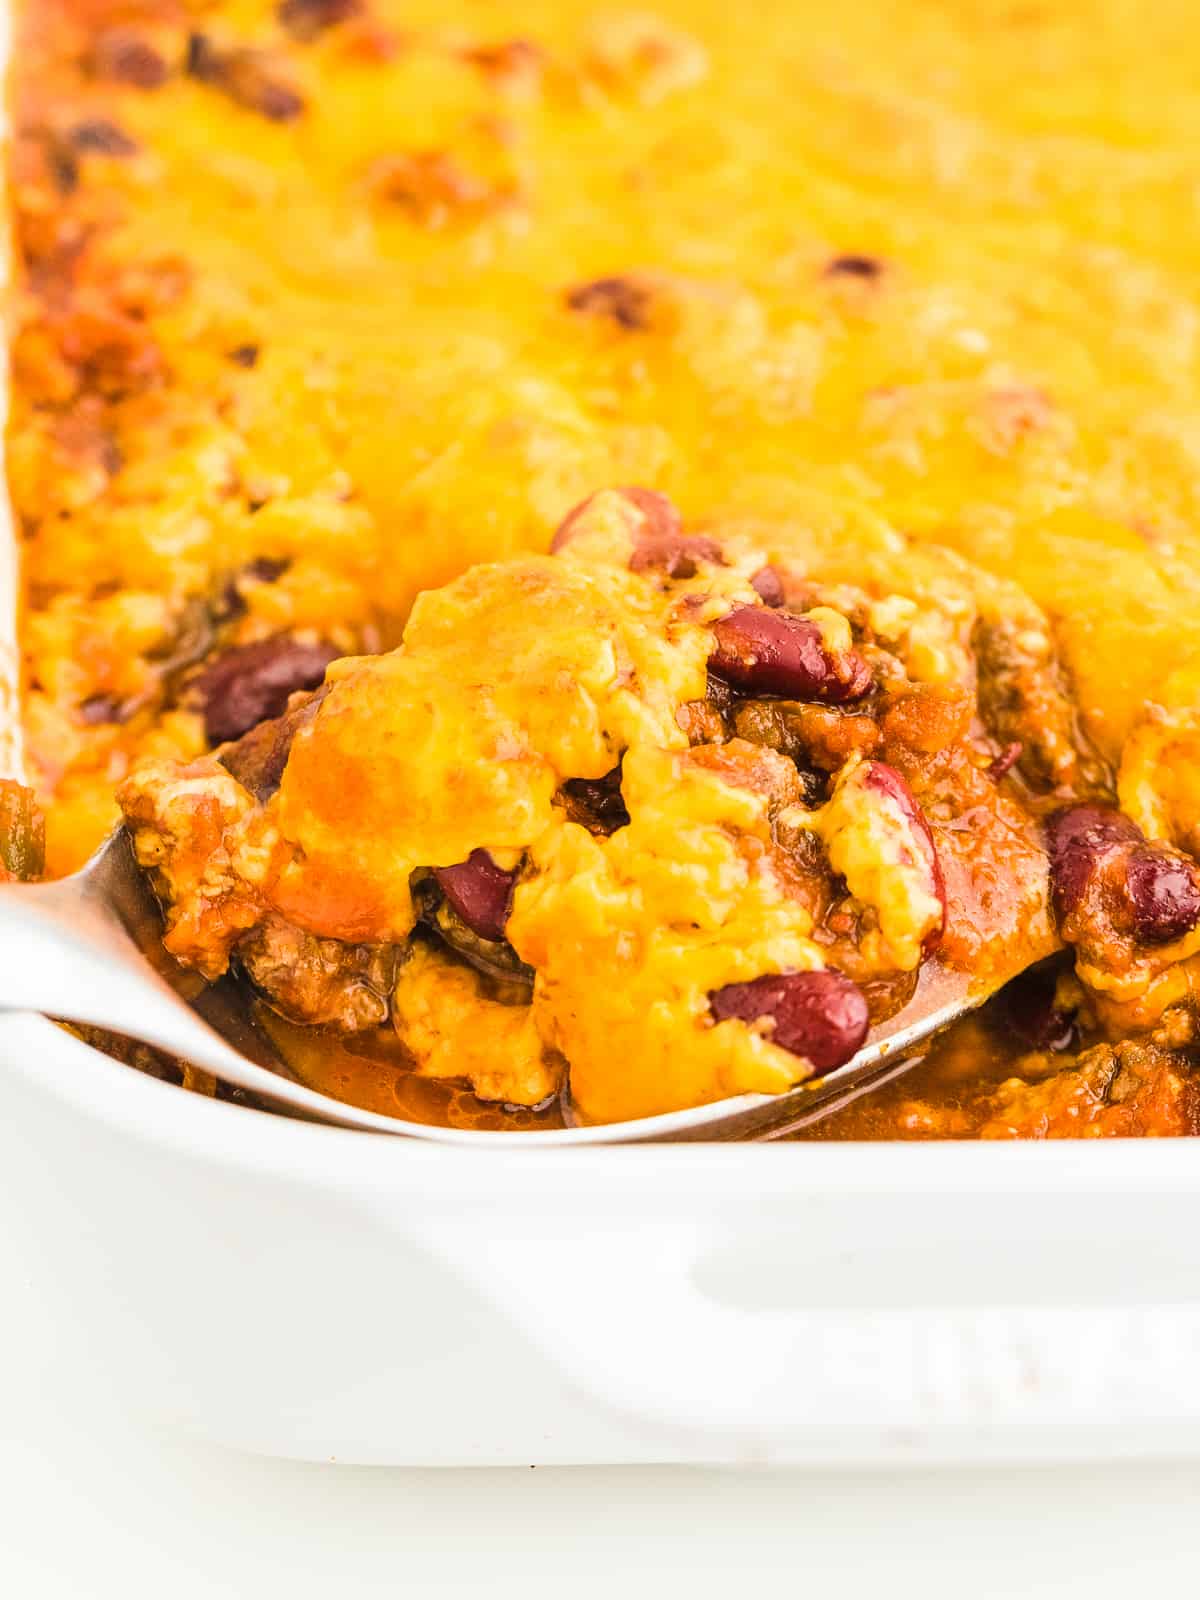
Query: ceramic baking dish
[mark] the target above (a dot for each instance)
(309, 1292)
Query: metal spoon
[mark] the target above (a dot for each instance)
(88, 949)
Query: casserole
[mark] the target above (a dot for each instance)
(289, 352)
(703, 1304)
(301, 1291)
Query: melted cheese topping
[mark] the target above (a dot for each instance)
(628, 936)
(454, 1030)
(511, 680)
(342, 302)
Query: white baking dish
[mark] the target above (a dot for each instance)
(311, 1292)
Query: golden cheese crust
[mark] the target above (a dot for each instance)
(368, 291)
(323, 304)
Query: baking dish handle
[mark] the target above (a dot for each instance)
(637, 1329)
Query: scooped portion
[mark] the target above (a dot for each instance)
(660, 811)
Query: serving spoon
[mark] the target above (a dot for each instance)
(88, 949)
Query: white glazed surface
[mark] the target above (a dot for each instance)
(309, 1292)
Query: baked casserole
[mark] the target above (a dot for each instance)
(602, 547)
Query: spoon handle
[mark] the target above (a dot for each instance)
(68, 956)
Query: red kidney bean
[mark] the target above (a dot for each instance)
(650, 514)
(480, 892)
(656, 532)
(819, 1015)
(1028, 1010)
(1163, 894)
(766, 652)
(675, 554)
(252, 682)
(879, 778)
(258, 758)
(1077, 841)
(1162, 890)
(768, 586)
(661, 512)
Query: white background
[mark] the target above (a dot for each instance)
(92, 1505)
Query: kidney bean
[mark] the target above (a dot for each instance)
(768, 586)
(495, 958)
(760, 651)
(1163, 894)
(678, 555)
(878, 778)
(654, 527)
(1161, 890)
(480, 892)
(649, 514)
(1027, 1008)
(819, 1015)
(252, 682)
(1077, 841)
(258, 758)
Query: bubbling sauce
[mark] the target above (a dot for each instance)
(950, 1083)
(374, 1071)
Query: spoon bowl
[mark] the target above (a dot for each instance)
(88, 949)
